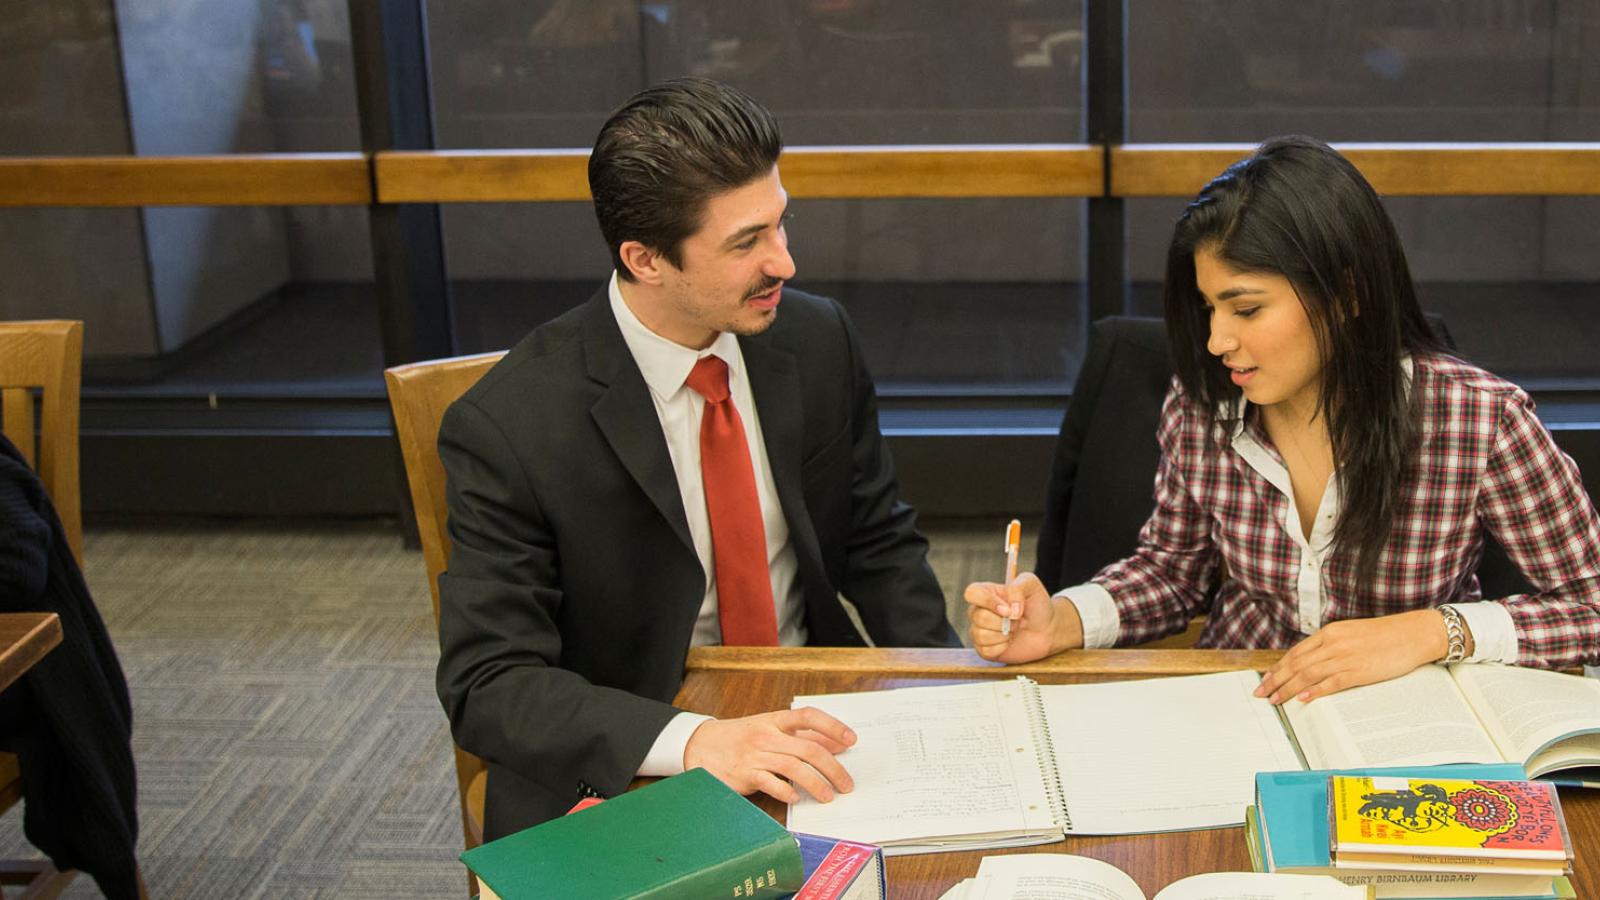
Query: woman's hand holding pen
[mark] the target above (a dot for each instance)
(1046, 625)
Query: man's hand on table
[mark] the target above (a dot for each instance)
(757, 753)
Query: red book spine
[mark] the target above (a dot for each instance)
(836, 872)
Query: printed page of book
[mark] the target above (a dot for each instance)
(1049, 876)
(935, 768)
(1163, 754)
(1525, 710)
(1418, 719)
(1253, 886)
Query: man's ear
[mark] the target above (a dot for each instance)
(644, 263)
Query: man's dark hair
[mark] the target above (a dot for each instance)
(669, 150)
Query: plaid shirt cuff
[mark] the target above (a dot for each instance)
(1098, 612)
(1494, 636)
(666, 754)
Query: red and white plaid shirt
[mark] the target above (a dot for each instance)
(1484, 462)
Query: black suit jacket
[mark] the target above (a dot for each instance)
(573, 586)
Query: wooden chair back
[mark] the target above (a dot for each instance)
(46, 356)
(419, 393)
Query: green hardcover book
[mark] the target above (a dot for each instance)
(688, 836)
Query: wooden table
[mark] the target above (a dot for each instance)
(24, 639)
(738, 681)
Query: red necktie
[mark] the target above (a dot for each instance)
(738, 538)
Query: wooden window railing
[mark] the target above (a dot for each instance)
(1449, 170)
(1019, 170)
(1012, 170)
(273, 179)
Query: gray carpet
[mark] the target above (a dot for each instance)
(288, 739)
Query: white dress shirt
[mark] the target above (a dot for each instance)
(665, 365)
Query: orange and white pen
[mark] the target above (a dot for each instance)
(1013, 544)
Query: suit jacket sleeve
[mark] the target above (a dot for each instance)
(500, 676)
(887, 573)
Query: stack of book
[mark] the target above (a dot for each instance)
(1432, 824)
(840, 870)
(1432, 833)
(682, 838)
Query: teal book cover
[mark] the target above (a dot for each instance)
(1293, 807)
(688, 836)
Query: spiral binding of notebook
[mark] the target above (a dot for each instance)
(1044, 748)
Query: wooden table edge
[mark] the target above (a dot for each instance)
(37, 640)
(968, 664)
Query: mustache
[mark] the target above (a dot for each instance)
(765, 286)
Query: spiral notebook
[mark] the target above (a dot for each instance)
(1014, 763)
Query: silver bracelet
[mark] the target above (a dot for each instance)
(1455, 635)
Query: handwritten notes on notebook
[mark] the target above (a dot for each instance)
(934, 766)
(1004, 764)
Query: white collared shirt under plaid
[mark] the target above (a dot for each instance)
(1222, 494)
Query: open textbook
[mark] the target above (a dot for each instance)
(1548, 722)
(1061, 876)
(1014, 763)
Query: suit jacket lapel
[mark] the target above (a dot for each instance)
(627, 417)
(775, 384)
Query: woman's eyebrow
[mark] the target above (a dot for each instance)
(1233, 292)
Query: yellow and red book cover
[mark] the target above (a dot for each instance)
(1446, 817)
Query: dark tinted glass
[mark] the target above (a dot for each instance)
(939, 309)
(916, 274)
(1517, 278)
(1364, 70)
(155, 77)
(545, 73)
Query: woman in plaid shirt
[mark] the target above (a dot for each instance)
(1301, 355)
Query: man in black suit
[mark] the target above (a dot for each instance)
(598, 535)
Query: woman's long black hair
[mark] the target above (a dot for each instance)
(1298, 209)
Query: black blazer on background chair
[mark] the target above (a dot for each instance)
(1101, 483)
(1100, 490)
(68, 719)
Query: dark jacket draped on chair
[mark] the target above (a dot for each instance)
(68, 719)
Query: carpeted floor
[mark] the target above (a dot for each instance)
(288, 739)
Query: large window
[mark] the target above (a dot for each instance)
(545, 73)
(162, 78)
(919, 276)
(1364, 70)
(275, 312)
(1517, 279)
